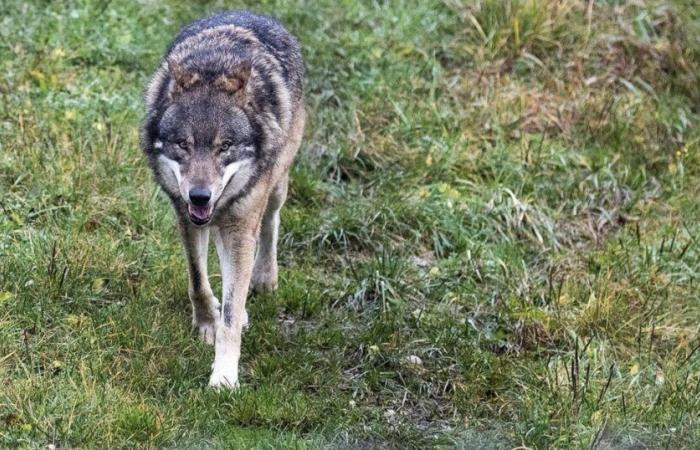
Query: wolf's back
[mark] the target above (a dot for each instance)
(220, 45)
(230, 31)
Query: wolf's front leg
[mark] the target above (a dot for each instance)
(205, 307)
(236, 248)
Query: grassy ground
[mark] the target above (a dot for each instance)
(491, 239)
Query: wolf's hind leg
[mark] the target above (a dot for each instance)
(205, 307)
(265, 270)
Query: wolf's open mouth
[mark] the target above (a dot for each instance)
(199, 214)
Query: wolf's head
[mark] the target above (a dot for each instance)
(205, 142)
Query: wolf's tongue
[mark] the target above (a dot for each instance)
(200, 212)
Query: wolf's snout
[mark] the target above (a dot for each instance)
(200, 196)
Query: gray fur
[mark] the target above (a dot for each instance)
(225, 116)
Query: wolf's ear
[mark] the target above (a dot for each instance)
(184, 79)
(235, 82)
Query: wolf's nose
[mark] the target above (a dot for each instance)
(200, 196)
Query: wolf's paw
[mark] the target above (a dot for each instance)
(206, 331)
(224, 379)
(244, 320)
(264, 280)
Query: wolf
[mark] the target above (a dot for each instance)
(224, 120)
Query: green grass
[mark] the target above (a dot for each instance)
(506, 190)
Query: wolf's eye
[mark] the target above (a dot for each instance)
(225, 146)
(182, 144)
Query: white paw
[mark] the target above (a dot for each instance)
(264, 280)
(244, 321)
(206, 331)
(224, 379)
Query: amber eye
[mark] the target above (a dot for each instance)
(225, 146)
(182, 145)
